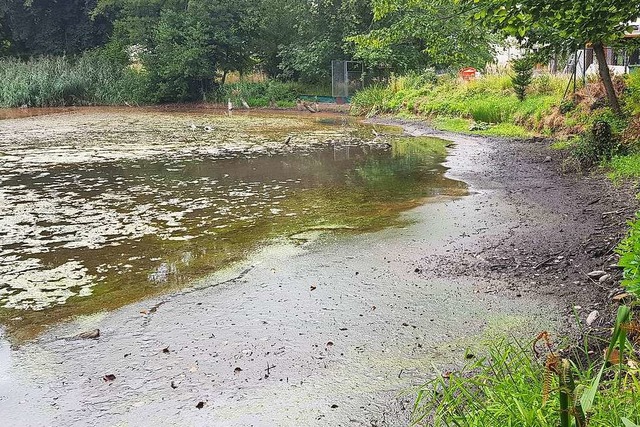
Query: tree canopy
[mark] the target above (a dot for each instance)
(412, 34)
(560, 24)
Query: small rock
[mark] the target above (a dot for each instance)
(88, 335)
(592, 317)
(596, 274)
(547, 159)
(605, 279)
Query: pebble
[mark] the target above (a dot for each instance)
(547, 159)
(592, 317)
(605, 279)
(596, 274)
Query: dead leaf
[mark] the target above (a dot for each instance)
(621, 297)
(109, 377)
(614, 357)
(144, 312)
(200, 405)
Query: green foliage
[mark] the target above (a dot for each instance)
(370, 101)
(58, 81)
(596, 146)
(561, 25)
(633, 91)
(566, 106)
(320, 29)
(50, 27)
(508, 387)
(625, 167)
(629, 251)
(523, 69)
(261, 94)
(407, 34)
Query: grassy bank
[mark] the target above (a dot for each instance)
(486, 105)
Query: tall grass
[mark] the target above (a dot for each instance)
(62, 81)
(489, 99)
(260, 94)
(513, 386)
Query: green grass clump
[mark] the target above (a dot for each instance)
(371, 100)
(512, 386)
(629, 251)
(451, 124)
(624, 167)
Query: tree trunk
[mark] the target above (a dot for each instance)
(605, 75)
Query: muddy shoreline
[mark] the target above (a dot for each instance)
(337, 330)
(568, 225)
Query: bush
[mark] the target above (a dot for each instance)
(600, 144)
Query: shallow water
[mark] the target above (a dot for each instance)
(103, 207)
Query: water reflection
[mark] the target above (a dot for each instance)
(81, 236)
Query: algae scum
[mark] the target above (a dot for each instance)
(103, 207)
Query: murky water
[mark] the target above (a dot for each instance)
(102, 207)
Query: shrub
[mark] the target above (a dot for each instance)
(595, 146)
(633, 91)
(523, 69)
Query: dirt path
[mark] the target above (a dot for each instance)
(333, 331)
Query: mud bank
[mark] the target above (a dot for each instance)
(331, 332)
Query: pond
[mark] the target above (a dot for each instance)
(103, 207)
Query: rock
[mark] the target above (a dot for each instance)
(592, 317)
(605, 279)
(88, 335)
(596, 274)
(547, 159)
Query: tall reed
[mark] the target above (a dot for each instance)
(62, 81)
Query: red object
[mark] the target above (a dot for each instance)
(468, 73)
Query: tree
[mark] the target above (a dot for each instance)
(321, 30)
(50, 27)
(183, 43)
(523, 69)
(563, 22)
(414, 34)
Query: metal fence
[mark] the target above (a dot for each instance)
(346, 78)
